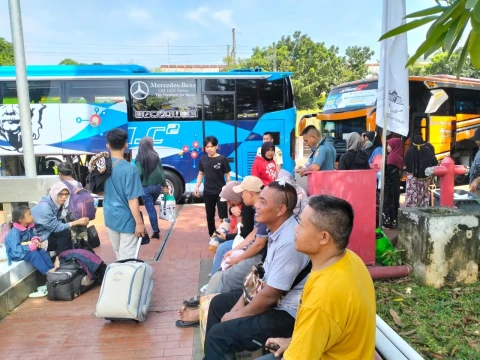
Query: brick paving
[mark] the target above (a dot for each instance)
(40, 329)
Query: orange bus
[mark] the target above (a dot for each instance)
(351, 107)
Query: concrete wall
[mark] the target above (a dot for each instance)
(441, 244)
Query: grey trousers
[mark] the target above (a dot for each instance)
(232, 278)
(269, 357)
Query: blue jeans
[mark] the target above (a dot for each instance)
(222, 249)
(40, 260)
(152, 192)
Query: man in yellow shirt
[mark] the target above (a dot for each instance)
(336, 314)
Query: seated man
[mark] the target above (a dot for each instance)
(336, 315)
(232, 321)
(255, 242)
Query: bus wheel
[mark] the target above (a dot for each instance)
(175, 185)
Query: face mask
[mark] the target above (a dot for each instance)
(368, 144)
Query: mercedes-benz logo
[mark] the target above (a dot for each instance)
(139, 90)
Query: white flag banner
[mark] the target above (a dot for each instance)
(393, 76)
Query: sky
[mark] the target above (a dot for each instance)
(159, 32)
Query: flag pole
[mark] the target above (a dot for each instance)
(384, 130)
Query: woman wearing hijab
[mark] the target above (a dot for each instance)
(354, 158)
(50, 219)
(367, 140)
(393, 177)
(418, 157)
(264, 167)
(149, 167)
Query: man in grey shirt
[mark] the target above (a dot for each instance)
(232, 322)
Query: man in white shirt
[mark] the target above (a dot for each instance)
(278, 157)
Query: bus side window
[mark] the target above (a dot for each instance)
(96, 91)
(45, 92)
(467, 102)
(248, 99)
(40, 92)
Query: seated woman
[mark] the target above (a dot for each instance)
(50, 223)
(21, 243)
(247, 219)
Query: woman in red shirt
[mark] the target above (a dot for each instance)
(264, 167)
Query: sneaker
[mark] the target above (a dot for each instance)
(156, 235)
(38, 294)
(42, 288)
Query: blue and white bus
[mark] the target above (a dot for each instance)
(74, 106)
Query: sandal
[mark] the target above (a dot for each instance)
(193, 302)
(186, 324)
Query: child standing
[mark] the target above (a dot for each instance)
(22, 244)
(215, 168)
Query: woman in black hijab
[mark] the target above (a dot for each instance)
(418, 157)
(149, 167)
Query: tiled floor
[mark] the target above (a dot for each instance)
(41, 329)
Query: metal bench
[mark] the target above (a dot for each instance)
(390, 346)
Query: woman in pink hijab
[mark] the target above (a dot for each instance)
(393, 176)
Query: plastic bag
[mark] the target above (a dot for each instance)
(4, 229)
(238, 239)
(167, 208)
(382, 245)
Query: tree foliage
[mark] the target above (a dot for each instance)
(6, 52)
(442, 64)
(316, 68)
(69, 61)
(449, 19)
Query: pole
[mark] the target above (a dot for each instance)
(234, 47)
(228, 51)
(168, 51)
(384, 73)
(274, 57)
(22, 87)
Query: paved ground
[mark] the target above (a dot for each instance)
(40, 329)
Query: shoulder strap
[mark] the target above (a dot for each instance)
(116, 162)
(70, 187)
(302, 275)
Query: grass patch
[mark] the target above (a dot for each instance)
(437, 323)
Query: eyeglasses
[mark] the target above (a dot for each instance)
(64, 195)
(281, 182)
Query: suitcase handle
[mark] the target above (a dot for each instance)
(126, 260)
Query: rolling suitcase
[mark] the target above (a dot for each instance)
(126, 290)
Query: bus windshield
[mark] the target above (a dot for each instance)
(351, 97)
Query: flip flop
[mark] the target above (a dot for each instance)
(186, 324)
(192, 302)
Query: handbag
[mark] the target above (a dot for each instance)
(253, 283)
(167, 208)
(92, 237)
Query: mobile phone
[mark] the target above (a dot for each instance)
(273, 347)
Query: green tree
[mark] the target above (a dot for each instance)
(356, 62)
(315, 67)
(6, 52)
(68, 61)
(449, 23)
(442, 64)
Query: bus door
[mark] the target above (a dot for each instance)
(420, 126)
(219, 120)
